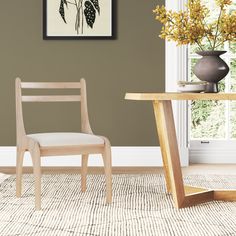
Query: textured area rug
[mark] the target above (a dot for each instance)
(3, 177)
(140, 206)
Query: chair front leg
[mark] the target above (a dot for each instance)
(19, 166)
(108, 170)
(36, 159)
(84, 171)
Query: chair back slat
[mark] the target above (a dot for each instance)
(52, 98)
(46, 85)
(79, 96)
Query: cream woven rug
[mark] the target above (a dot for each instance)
(140, 206)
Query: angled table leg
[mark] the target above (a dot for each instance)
(183, 196)
(169, 150)
(170, 155)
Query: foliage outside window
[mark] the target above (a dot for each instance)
(215, 119)
(206, 25)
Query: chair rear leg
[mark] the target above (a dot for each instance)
(19, 170)
(84, 171)
(36, 159)
(108, 171)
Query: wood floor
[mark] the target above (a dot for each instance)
(228, 169)
(221, 169)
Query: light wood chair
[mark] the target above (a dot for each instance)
(58, 144)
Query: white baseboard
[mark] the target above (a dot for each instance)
(126, 156)
(121, 156)
(213, 156)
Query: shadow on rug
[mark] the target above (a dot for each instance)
(140, 206)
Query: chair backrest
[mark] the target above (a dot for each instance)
(85, 126)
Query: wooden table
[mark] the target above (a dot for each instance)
(183, 196)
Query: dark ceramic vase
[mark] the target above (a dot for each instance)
(211, 68)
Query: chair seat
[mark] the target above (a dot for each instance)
(65, 139)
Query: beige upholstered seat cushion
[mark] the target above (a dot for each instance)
(65, 139)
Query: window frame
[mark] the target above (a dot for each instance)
(176, 68)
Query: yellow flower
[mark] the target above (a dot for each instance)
(190, 27)
(227, 27)
(223, 3)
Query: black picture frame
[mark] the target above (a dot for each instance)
(46, 36)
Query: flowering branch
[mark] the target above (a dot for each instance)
(217, 29)
(190, 26)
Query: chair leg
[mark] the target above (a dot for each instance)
(19, 167)
(36, 159)
(84, 170)
(108, 171)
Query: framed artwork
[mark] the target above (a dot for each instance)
(78, 19)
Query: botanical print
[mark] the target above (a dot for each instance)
(85, 10)
(78, 18)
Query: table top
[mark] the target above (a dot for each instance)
(179, 96)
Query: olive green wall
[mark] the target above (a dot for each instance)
(133, 62)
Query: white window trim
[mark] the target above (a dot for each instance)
(176, 63)
(175, 70)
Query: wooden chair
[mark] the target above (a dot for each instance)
(58, 144)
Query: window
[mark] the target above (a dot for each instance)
(214, 120)
(210, 136)
(204, 124)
